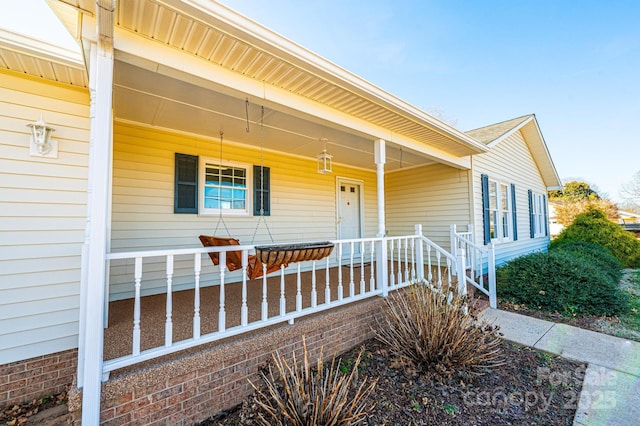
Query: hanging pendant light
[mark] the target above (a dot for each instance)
(324, 159)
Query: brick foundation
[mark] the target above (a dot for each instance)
(197, 384)
(22, 381)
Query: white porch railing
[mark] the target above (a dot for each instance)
(476, 263)
(407, 257)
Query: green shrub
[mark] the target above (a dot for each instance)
(594, 227)
(596, 255)
(436, 334)
(560, 281)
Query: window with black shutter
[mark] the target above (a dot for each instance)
(186, 184)
(261, 191)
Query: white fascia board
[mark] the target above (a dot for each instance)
(261, 37)
(548, 158)
(21, 43)
(153, 56)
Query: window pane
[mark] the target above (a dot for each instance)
(505, 224)
(225, 187)
(492, 224)
(504, 203)
(493, 196)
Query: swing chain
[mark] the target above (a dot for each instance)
(261, 218)
(220, 218)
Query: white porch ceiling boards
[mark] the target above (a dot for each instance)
(302, 89)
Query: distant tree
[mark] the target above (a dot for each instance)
(567, 210)
(577, 197)
(579, 191)
(630, 192)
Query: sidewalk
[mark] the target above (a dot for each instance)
(611, 388)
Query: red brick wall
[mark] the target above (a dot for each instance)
(198, 384)
(22, 381)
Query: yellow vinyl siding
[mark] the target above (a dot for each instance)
(303, 202)
(510, 161)
(42, 217)
(435, 196)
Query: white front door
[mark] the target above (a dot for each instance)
(349, 209)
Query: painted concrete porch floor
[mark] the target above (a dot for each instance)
(118, 334)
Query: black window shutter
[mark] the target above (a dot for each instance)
(486, 214)
(185, 198)
(261, 191)
(546, 217)
(532, 229)
(514, 213)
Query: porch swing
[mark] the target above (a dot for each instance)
(273, 256)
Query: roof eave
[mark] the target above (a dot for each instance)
(258, 35)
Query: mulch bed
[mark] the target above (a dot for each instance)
(532, 388)
(19, 414)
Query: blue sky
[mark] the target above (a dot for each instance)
(574, 63)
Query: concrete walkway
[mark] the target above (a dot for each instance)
(611, 387)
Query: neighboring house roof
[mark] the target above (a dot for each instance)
(26, 55)
(494, 134)
(211, 32)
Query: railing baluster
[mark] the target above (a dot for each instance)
(327, 289)
(244, 309)
(298, 290)
(168, 328)
(314, 293)
(351, 283)
(406, 260)
(392, 279)
(136, 306)
(372, 280)
(340, 288)
(430, 278)
(197, 267)
(283, 300)
(362, 289)
(413, 259)
(222, 315)
(449, 281)
(399, 271)
(439, 269)
(265, 304)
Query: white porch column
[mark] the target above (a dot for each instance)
(381, 255)
(91, 355)
(380, 158)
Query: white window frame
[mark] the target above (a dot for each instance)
(248, 207)
(499, 216)
(537, 213)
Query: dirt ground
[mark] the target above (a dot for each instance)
(532, 388)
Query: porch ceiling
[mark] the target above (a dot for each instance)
(154, 99)
(209, 35)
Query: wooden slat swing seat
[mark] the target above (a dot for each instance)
(234, 258)
(274, 256)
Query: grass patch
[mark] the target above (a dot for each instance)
(631, 320)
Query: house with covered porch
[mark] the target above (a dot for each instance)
(181, 119)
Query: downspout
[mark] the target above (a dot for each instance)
(100, 89)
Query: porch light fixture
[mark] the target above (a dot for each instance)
(324, 159)
(41, 144)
